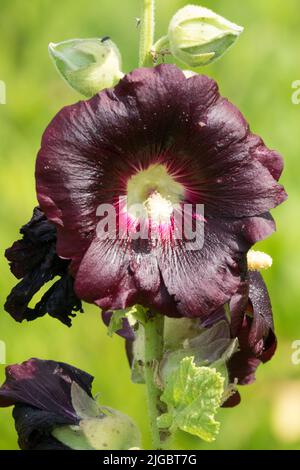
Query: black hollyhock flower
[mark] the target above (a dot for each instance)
(159, 140)
(34, 260)
(40, 392)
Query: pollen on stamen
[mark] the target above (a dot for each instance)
(258, 260)
(159, 208)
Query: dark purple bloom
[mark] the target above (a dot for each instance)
(41, 394)
(34, 260)
(157, 139)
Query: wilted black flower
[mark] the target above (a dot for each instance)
(54, 410)
(41, 394)
(34, 260)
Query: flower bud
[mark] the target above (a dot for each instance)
(87, 65)
(99, 427)
(198, 36)
(111, 430)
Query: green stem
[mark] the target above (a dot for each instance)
(147, 34)
(154, 341)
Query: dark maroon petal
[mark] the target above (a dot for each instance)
(215, 317)
(262, 323)
(103, 276)
(242, 366)
(34, 260)
(258, 228)
(45, 385)
(34, 428)
(232, 401)
(115, 278)
(172, 279)
(270, 159)
(256, 336)
(231, 177)
(203, 280)
(156, 116)
(237, 306)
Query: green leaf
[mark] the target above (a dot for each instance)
(193, 395)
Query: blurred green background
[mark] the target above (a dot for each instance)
(257, 75)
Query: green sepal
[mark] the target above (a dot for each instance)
(133, 314)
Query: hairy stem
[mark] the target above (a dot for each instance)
(147, 34)
(154, 340)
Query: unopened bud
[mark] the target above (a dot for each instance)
(87, 65)
(198, 36)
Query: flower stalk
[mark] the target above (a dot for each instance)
(154, 334)
(147, 34)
